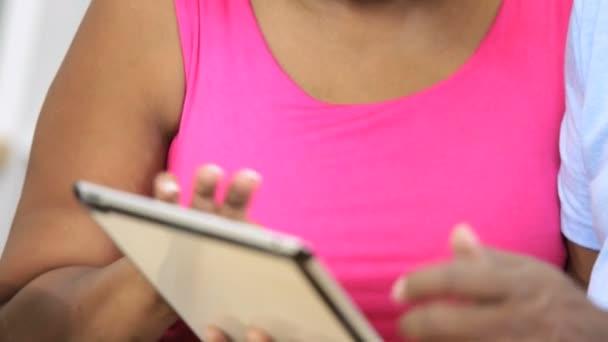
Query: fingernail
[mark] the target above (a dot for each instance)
(399, 291)
(169, 187)
(210, 335)
(465, 234)
(215, 169)
(251, 336)
(255, 335)
(251, 174)
(465, 242)
(214, 335)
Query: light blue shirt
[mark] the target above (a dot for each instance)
(583, 179)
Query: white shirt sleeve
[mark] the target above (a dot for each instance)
(573, 180)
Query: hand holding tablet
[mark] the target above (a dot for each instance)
(220, 272)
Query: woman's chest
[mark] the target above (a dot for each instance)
(379, 178)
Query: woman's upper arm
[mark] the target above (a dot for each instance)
(109, 117)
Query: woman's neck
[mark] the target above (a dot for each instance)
(388, 8)
(375, 19)
(389, 14)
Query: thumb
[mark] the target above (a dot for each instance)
(465, 243)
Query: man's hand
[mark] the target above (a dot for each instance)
(487, 295)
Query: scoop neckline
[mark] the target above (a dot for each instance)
(448, 81)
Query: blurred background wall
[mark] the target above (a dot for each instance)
(34, 37)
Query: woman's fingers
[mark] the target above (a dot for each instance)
(257, 335)
(166, 188)
(205, 188)
(236, 201)
(449, 322)
(214, 334)
(457, 279)
(239, 194)
(465, 242)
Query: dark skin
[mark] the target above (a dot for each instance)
(59, 272)
(503, 297)
(580, 263)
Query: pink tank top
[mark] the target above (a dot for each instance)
(376, 188)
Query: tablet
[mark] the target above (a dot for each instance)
(215, 271)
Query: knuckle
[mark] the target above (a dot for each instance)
(202, 204)
(237, 198)
(450, 275)
(204, 188)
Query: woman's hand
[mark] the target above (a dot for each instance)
(214, 334)
(235, 203)
(498, 297)
(235, 206)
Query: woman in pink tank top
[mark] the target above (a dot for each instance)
(376, 187)
(377, 126)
